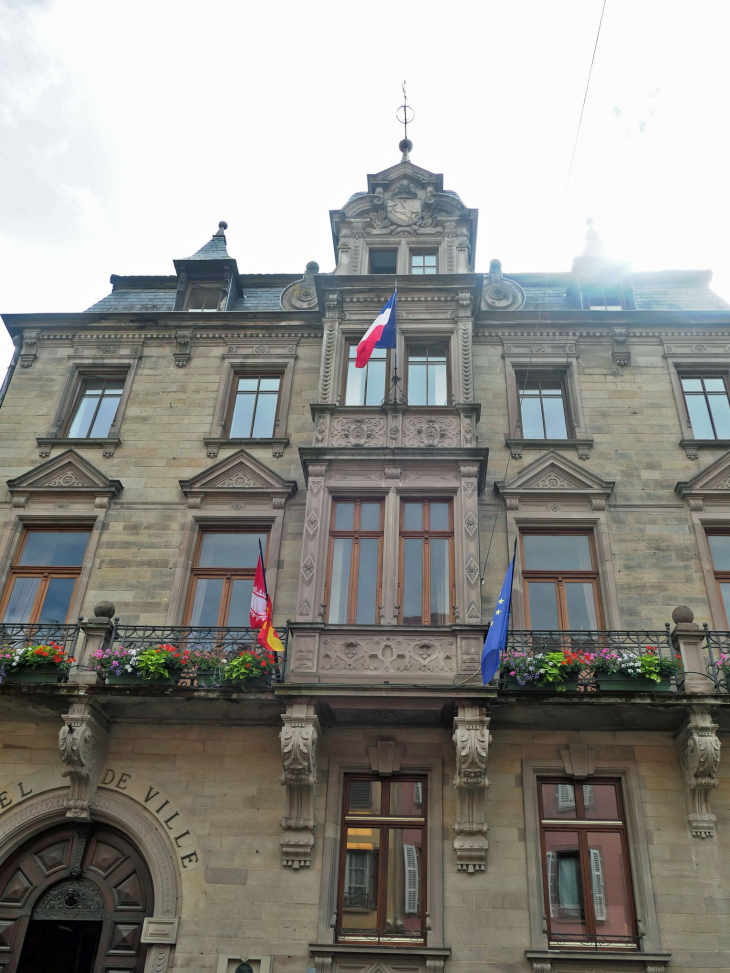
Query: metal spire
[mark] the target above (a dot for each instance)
(405, 114)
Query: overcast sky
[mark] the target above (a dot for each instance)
(129, 129)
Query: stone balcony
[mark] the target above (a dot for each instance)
(393, 426)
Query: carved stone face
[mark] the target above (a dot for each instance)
(404, 210)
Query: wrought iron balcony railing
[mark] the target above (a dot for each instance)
(380, 937)
(221, 643)
(716, 649)
(21, 635)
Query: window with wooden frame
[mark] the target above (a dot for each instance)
(203, 297)
(428, 366)
(427, 592)
(560, 576)
(44, 575)
(719, 541)
(707, 405)
(543, 406)
(352, 595)
(365, 386)
(382, 876)
(223, 575)
(253, 407)
(95, 405)
(383, 261)
(588, 891)
(424, 262)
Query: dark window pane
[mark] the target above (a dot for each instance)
(367, 582)
(406, 799)
(263, 425)
(344, 516)
(564, 892)
(340, 580)
(230, 550)
(240, 606)
(413, 516)
(404, 879)
(22, 598)
(242, 419)
(362, 861)
(543, 604)
(440, 608)
(55, 548)
(207, 601)
(370, 516)
(601, 802)
(558, 802)
(383, 261)
(364, 797)
(581, 605)
(57, 600)
(412, 581)
(557, 552)
(439, 514)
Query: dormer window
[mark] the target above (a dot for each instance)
(423, 262)
(383, 261)
(597, 297)
(203, 297)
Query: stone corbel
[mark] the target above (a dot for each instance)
(385, 757)
(83, 743)
(471, 741)
(182, 352)
(620, 353)
(29, 351)
(699, 757)
(299, 738)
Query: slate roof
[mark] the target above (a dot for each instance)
(214, 249)
(133, 295)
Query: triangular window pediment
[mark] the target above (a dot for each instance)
(68, 472)
(712, 482)
(554, 473)
(239, 473)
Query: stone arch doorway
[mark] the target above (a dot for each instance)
(73, 900)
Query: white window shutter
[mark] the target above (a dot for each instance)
(588, 796)
(566, 797)
(411, 863)
(552, 880)
(599, 886)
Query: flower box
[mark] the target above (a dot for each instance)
(46, 673)
(615, 682)
(122, 678)
(569, 684)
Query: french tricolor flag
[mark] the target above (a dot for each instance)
(380, 334)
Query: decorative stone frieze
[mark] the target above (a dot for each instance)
(299, 738)
(83, 743)
(392, 426)
(471, 742)
(699, 757)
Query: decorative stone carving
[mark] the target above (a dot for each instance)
(29, 351)
(299, 738)
(68, 472)
(620, 353)
(431, 431)
(72, 899)
(699, 757)
(385, 655)
(471, 524)
(553, 472)
(578, 760)
(182, 352)
(83, 743)
(385, 757)
(240, 471)
(358, 431)
(471, 743)
(499, 293)
(472, 571)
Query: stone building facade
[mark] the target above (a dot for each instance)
(373, 808)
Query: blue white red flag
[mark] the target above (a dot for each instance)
(497, 634)
(380, 334)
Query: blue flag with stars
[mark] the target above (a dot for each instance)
(497, 634)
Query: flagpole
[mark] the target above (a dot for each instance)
(263, 569)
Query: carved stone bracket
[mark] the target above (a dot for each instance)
(578, 760)
(471, 741)
(299, 738)
(620, 352)
(29, 351)
(385, 757)
(182, 351)
(699, 757)
(83, 743)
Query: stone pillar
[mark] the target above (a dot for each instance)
(97, 635)
(699, 757)
(687, 637)
(299, 738)
(471, 741)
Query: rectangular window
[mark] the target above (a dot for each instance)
(720, 549)
(95, 407)
(708, 408)
(43, 578)
(254, 406)
(383, 261)
(586, 870)
(203, 298)
(383, 861)
(560, 581)
(596, 298)
(222, 576)
(426, 569)
(423, 262)
(542, 408)
(355, 554)
(427, 374)
(365, 386)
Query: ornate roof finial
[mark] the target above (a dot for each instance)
(405, 114)
(594, 244)
(222, 227)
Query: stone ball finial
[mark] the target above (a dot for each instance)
(405, 145)
(312, 267)
(495, 268)
(222, 225)
(682, 614)
(105, 609)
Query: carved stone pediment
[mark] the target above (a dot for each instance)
(69, 474)
(712, 483)
(554, 474)
(238, 474)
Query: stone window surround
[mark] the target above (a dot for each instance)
(52, 517)
(718, 516)
(566, 369)
(76, 373)
(277, 357)
(358, 762)
(596, 523)
(257, 515)
(625, 770)
(683, 364)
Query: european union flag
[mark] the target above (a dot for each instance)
(497, 634)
